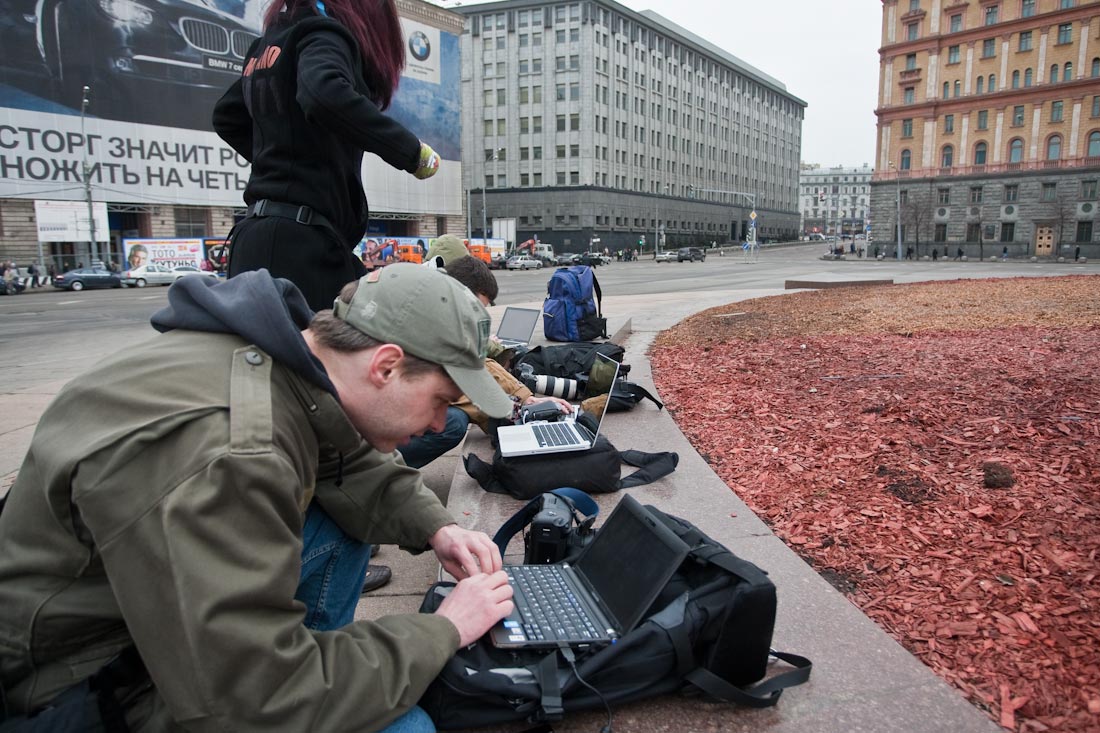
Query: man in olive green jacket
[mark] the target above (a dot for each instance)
(161, 505)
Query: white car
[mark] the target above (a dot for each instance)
(524, 262)
(669, 255)
(186, 270)
(139, 277)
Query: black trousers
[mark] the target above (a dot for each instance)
(311, 257)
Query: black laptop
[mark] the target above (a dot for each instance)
(600, 598)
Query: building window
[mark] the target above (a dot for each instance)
(979, 154)
(992, 83)
(956, 23)
(949, 123)
(910, 61)
(1065, 33)
(1049, 192)
(953, 54)
(948, 156)
(1094, 145)
(1054, 147)
(980, 87)
(1055, 111)
(1088, 190)
(1028, 77)
(1018, 115)
(906, 159)
(912, 31)
(1015, 150)
(1025, 41)
(914, 6)
(1054, 74)
(943, 195)
(909, 95)
(1095, 72)
(975, 194)
(1084, 231)
(940, 233)
(958, 87)
(1012, 193)
(983, 119)
(1027, 8)
(1067, 72)
(991, 14)
(1016, 79)
(907, 128)
(1065, 4)
(973, 232)
(1008, 231)
(190, 222)
(989, 48)
(946, 89)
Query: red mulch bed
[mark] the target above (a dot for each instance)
(947, 481)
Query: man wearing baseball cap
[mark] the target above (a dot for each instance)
(182, 541)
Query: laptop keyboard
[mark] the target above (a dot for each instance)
(548, 608)
(555, 433)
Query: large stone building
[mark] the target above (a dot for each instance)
(587, 120)
(835, 200)
(989, 126)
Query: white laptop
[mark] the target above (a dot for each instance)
(517, 325)
(536, 438)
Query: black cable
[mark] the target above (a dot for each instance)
(572, 659)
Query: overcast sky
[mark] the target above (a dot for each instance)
(824, 51)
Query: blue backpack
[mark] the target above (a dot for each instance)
(571, 311)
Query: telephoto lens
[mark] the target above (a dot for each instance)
(567, 389)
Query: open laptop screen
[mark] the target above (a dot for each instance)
(629, 557)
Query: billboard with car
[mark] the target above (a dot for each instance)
(146, 75)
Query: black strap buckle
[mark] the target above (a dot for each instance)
(304, 216)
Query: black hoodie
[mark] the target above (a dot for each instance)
(268, 312)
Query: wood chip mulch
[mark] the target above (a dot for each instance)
(933, 451)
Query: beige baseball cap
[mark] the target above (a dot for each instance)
(431, 316)
(445, 249)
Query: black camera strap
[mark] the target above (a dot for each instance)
(581, 503)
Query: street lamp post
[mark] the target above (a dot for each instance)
(657, 221)
(897, 203)
(93, 247)
(484, 219)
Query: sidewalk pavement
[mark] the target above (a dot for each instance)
(862, 680)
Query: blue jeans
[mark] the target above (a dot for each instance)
(333, 568)
(423, 449)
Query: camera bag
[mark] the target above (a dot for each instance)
(568, 360)
(626, 395)
(595, 471)
(708, 634)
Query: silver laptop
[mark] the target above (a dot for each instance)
(536, 438)
(517, 325)
(604, 595)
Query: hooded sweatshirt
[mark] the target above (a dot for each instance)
(160, 505)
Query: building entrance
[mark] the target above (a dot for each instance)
(1044, 241)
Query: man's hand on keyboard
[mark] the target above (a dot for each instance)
(476, 604)
(463, 553)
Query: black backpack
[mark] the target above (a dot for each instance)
(708, 633)
(569, 360)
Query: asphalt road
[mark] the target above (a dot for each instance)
(49, 335)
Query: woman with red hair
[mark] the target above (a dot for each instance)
(309, 103)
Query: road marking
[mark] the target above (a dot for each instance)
(150, 297)
(69, 302)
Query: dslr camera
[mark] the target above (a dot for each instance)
(554, 535)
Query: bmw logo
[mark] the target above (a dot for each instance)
(419, 46)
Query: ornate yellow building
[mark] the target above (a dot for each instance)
(989, 126)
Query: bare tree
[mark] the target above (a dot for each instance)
(1062, 210)
(916, 212)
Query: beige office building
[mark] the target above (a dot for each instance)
(989, 127)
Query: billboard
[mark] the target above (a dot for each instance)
(67, 221)
(154, 71)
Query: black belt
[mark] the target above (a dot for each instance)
(300, 214)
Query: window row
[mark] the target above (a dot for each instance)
(1014, 149)
(990, 15)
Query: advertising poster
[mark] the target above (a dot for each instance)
(166, 252)
(67, 221)
(154, 71)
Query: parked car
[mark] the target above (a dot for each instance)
(590, 259)
(150, 274)
(669, 255)
(690, 254)
(564, 260)
(87, 277)
(523, 262)
(188, 270)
